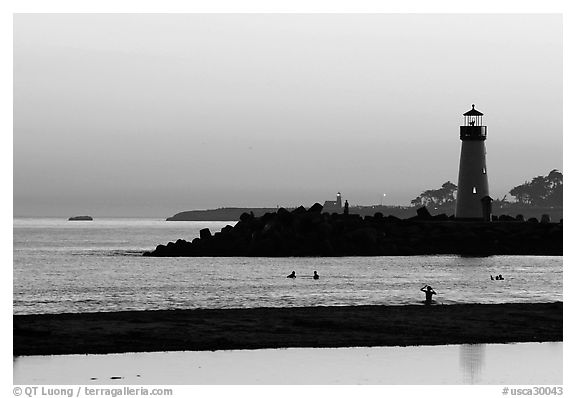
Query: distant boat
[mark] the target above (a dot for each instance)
(80, 218)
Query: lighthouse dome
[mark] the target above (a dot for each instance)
(473, 112)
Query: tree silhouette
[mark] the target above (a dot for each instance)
(436, 197)
(555, 181)
(541, 191)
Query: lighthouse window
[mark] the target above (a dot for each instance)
(483, 170)
(474, 190)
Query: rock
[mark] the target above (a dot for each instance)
(205, 233)
(284, 217)
(80, 218)
(423, 213)
(227, 229)
(245, 217)
(364, 235)
(282, 212)
(316, 208)
(545, 219)
(313, 233)
(299, 210)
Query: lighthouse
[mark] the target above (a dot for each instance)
(472, 176)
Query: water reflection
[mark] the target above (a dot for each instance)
(472, 358)
(437, 365)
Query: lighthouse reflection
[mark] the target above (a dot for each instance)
(472, 358)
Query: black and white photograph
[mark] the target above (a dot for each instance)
(287, 199)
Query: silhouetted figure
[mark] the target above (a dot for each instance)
(346, 207)
(292, 275)
(491, 278)
(316, 276)
(429, 292)
(500, 277)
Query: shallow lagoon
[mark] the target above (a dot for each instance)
(521, 363)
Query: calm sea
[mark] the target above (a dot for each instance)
(62, 266)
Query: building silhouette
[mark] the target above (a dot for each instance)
(333, 206)
(472, 175)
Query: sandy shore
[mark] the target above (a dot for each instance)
(177, 330)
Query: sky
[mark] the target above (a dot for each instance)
(151, 114)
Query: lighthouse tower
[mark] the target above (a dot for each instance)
(472, 177)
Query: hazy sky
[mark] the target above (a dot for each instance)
(151, 114)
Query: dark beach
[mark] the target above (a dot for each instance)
(217, 329)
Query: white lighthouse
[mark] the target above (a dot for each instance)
(472, 176)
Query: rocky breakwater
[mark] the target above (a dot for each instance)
(309, 232)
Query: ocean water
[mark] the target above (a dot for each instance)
(62, 266)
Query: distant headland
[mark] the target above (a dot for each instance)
(311, 232)
(403, 212)
(234, 213)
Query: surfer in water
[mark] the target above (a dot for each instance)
(292, 275)
(316, 276)
(429, 292)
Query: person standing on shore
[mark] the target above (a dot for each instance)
(429, 292)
